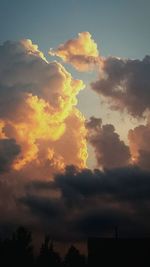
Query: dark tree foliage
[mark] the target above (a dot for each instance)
(102, 252)
(74, 258)
(18, 250)
(48, 257)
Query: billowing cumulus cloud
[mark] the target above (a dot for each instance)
(42, 131)
(139, 145)
(37, 107)
(125, 84)
(110, 151)
(92, 202)
(81, 52)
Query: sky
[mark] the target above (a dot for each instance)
(75, 117)
(121, 28)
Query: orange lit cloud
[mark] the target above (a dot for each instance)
(32, 49)
(81, 52)
(37, 109)
(42, 132)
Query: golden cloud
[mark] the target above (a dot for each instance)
(81, 52)
(38, 102)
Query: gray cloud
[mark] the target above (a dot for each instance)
(125, 84)
(9, 150)
(110, 151)
(140, 146)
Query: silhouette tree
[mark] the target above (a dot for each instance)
(22, 247)
(17, 251)
(6, 253)
(48, 257)
(73, 258)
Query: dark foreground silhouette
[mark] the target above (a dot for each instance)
(102, 252)
(18, 251)
(118, 252)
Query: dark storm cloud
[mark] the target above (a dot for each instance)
(103, 223)
(43, 206)
(110, 151)
(94, 202)
(9, 150)
(125, 84)
(128, 183)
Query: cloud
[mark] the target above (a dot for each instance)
(37, 108)
(41, 129)
(124, 84)
(43, 207)
(110, 151)
(9, 151)
(93, 203)
(139, 145)
(81, 52)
